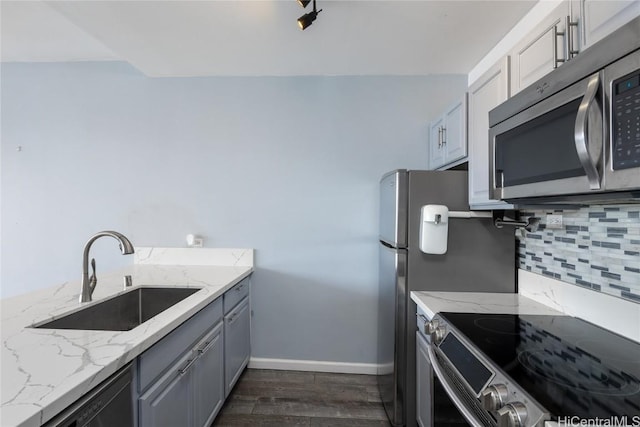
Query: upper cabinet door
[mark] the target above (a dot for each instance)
(491, 89)
(455, 131)
(448, 137)
(436, 147)
(542, 50)
(600, 17)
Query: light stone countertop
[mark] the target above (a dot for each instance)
(45, 370)
(432, 303)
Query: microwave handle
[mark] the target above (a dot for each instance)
(581, 132)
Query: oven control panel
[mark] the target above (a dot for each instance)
(625, 122)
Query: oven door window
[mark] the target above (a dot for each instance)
(541, 149)
(434, 406)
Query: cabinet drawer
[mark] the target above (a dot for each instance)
(155, 360)
(234, 295)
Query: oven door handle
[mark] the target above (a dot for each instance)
(581, 132)
(466, 413)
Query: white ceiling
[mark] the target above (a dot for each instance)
(258, 38)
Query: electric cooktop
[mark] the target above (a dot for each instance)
(571, 367)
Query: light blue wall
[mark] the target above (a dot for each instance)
(288, 166)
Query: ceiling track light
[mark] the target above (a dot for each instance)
(307, 19)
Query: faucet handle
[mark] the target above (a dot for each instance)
(93, 280)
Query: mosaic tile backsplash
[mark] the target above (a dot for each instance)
(598, 247)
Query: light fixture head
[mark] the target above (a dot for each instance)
(304, 3)
(307, 19)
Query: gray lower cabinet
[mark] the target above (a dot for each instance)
(184, 378)
(168, 401)
(208, 372)
(237, 344)
(192, 391)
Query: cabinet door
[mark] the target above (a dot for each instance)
(455, 131)
(540, 51)
(601, 17)
(168, 401)
(491, 89)
(436, 149)
(424, 385)
(208, 377)
(237, 343)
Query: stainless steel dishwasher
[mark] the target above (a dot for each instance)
(109, 404)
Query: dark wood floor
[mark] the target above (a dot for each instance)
(291, 398)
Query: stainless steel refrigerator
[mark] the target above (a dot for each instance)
(479, 258)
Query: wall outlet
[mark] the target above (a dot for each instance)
(194, 241)
(554, 221)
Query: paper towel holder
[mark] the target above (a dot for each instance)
(531, 224)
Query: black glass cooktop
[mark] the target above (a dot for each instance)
(571, 367)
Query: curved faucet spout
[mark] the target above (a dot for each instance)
(89, 285)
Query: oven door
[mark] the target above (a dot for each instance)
(553, 148)
(434, 407)
(451, 405)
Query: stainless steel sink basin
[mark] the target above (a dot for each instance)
(123, 312)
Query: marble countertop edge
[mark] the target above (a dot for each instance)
(478, 302)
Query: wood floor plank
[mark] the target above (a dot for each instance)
(291, 398)
(303, 391)
(243, 420)
(319, 408)
(347, 422)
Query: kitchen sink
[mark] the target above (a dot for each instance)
(123, 312)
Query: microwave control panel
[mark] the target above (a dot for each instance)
(625, 131)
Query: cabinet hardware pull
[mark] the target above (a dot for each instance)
(206, 347)
(571, 51)
(554, 39)
(187, 366)
(439, 137)
(444, 135)
(239, 287)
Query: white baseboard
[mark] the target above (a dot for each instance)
(313, 366)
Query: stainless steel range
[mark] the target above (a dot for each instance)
(535, 370)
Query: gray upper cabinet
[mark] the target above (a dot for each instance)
(491, 89)
(545, 48)
(448, 137)
(601, 18)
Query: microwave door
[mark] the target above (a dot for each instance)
(552, 148)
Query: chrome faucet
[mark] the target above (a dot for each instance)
(89, 283)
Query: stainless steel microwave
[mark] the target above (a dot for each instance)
(575, 134)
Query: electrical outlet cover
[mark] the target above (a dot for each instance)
(554, 221)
